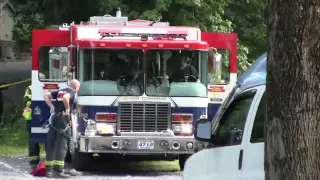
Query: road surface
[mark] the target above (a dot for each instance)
(18, 168)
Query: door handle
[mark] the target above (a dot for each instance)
(240, 159)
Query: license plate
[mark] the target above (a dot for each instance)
(145, 144)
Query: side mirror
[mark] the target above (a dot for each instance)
(203, 130)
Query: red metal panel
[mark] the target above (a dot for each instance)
(47, 38)
(223, 41)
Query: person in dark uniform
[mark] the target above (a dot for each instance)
(186, 72)
(59, 129)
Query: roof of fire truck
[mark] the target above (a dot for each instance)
(108, 31)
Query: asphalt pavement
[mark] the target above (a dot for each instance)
(18, 168)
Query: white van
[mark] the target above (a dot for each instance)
(236, 133)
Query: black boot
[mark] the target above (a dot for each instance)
(49, 172)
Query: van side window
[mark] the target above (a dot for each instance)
(257, 134)
(232, 123)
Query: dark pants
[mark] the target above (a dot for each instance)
(34, 148)
(57, 143)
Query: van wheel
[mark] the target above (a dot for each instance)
(182, 160)
(80, 160)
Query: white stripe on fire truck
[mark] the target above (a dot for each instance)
(92, 32)
(39, 130)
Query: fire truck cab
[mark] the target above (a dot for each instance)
(144, 84)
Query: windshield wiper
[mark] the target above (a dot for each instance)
(170, 98)
(174, 103)
(125, 88)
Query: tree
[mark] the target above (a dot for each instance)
(206, 14)
(292, 146)
(249, 21)
(28, 17)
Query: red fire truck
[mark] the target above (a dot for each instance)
(143, 84)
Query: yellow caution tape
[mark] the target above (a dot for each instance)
(14, 83)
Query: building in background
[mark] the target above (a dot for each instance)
(6, 27)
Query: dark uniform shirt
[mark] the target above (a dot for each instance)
(188, 70)
(58, 97)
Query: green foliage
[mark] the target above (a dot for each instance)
(248, 18)
(13, 133)
(244, 17)
(27, 18)
(243, 62)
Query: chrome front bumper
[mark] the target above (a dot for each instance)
(129, 144)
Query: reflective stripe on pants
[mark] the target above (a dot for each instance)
(57, 142)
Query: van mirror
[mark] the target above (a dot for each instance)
(203, 130)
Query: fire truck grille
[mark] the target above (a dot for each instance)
(143, 117)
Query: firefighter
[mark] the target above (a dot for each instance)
(59, 129)
(34, 148)
(185, 70)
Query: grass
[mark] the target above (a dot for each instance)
(14, 139)
(158, 166)
(13, 134)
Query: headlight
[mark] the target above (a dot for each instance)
(186, 128)
(182, 128)
(104, 128)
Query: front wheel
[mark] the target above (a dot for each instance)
(68, 157)
(182, 160)
(80, 160)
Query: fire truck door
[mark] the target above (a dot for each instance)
(49, 65)
(222, 67)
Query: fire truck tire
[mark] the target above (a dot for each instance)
(182, 160)
(80, 160)
(68, 157)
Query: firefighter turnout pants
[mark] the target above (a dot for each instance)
(34, 148)
(57, 143)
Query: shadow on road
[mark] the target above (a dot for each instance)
(132, 168)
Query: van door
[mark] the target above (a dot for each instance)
(222, 67)
(224, 160)
(49, 63)
(253, 145)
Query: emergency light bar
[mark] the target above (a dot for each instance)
(144, 33)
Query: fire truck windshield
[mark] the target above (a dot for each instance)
(176, 73)
(111, 72)
(119, 72)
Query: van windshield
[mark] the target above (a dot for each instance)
(229, 128)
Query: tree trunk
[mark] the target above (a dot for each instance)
(292, 145)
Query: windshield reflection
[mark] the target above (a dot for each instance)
(111, 72)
